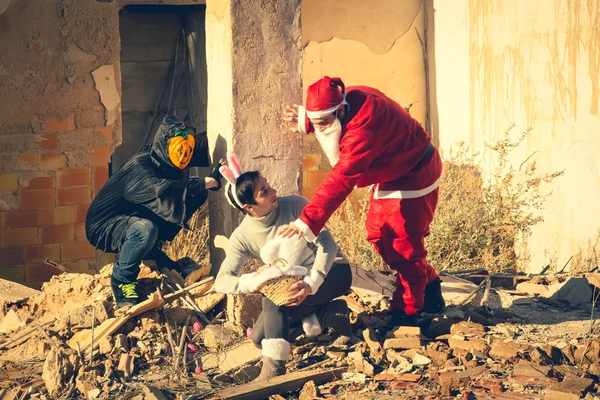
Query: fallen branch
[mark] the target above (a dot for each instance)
(24, 334)
(280, 384)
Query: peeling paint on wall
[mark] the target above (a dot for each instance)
(375, 24)
(535, 63)
(104, 79)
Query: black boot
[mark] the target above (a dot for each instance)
(399, 318)
(434, 301)
(125, 294)
(336, 316)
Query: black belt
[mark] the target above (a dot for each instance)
(425, 158)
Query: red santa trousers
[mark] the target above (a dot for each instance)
(397, 228)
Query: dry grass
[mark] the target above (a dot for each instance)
(347, 226)
(586, 258)
(192, 243)
(478, 220)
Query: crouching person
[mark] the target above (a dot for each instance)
(147, 202)
(325, 275)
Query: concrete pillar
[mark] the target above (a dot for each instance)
(254, 68)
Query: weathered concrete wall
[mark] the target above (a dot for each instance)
(535, 63)
(253, 56)
(59, 122)
(365, 43)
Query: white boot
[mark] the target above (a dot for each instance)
(275, 354)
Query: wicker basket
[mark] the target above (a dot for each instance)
(278, 290)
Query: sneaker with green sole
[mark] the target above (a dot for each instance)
(125, 293)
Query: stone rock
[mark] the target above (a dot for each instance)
(86, 381)
(126, 365)
(576, 291)
(452, 381)
(361, 364)
(105, 345)
(58, 369)
(421, 360)
(403, 343)
(217, 336)
(94, 394)
(10, 322)
(354, 377)
(570, 386)
(152, 393)
(506, 350)
(526, 368)
(404, 331)
(532, 289)
(121, 343)
(461, 343)
(467, 328)
(309, 391)
(438, 357)
(247, 374)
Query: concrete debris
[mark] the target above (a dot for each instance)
(482, 352)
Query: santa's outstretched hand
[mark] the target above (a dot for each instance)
(288, 231)
(290, 116)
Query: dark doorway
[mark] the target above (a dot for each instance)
(163, 70)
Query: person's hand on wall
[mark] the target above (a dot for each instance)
(290, 117)
(302, 291)
(215, 175)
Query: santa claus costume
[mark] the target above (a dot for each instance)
(378, 143)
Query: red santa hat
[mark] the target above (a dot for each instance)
(324, 97)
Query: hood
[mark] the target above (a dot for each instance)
(160, 147)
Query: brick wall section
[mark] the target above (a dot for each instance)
(50, 221)
(56, 136)
(312, 176)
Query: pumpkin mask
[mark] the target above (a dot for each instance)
(181, 148)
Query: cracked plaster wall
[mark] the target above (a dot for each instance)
(365, 43)
(59, 122)
(253, 60)
(535, 63)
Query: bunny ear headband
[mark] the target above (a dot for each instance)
(231, 174)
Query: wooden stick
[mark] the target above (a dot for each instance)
(47, 337)
(280, 384)
(24, 334)
(182, 340)
(93, 323)
(175, 295)
(190, 302)
(474, 291)
(57, 265)
(169, 333)
(486, 294)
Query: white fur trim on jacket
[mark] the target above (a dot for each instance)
(293, 250)
(302, 120)
(277, 349)
(314, 279)
(308, 235)
(246, 282)
(311, 325)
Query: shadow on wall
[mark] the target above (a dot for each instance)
(430, 74)
(4, 5)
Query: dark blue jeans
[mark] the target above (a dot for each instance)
(140, 238)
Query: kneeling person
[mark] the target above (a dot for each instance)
(328, 277)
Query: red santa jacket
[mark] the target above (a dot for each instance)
(381, 145)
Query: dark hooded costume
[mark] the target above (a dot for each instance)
(147, 186)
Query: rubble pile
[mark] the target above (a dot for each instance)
(535, 338)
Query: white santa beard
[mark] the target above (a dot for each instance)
(329, 139)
